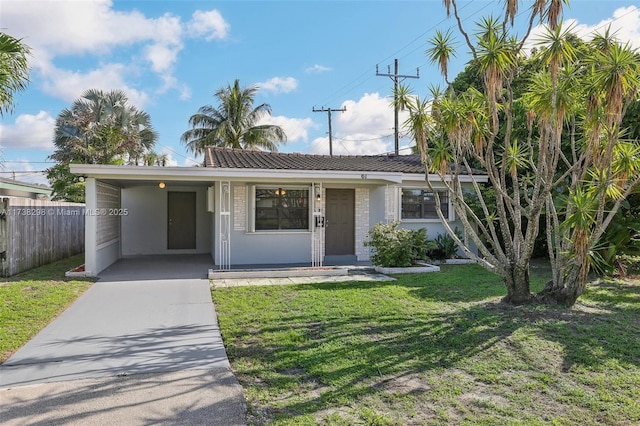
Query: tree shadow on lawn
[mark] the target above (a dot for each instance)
(346, 357)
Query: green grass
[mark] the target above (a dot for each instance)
(30, 300)
(434, 348)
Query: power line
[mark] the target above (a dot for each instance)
(396, 110)
(23, 171)
(355, 82)
(193, 160)
(364, 140)
(329, 111)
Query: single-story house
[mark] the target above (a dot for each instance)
(15, 188)
(254, 208)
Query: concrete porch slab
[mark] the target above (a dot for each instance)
(279, 272)
(158, 267)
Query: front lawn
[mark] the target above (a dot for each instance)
(434, 348)
(30, 300)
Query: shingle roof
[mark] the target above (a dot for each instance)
(245, 159)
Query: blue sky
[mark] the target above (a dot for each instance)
(171, 56)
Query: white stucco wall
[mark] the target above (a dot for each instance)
(434, 226)
(144, 228)
(362, 223)
(259, 247)
(102, 225)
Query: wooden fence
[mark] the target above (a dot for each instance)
(36, 232)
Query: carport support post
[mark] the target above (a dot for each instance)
(90, 227)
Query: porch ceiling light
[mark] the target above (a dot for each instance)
(161, 185)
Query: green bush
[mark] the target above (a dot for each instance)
(444, 247)
(395, 247)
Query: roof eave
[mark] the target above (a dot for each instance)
(187, 174)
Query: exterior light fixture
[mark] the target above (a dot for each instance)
(161, 185)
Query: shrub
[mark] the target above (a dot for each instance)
(395, 247)
(444, 246)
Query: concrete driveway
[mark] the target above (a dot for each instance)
(154, 342)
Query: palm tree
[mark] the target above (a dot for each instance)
(233, 124)
(102, 127)
(99, 128)
(14, 70)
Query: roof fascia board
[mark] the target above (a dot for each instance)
(414, 177)
(101, 171)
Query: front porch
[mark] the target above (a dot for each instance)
(201, 266)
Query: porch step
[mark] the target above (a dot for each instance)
(279, 272)
(346, 259)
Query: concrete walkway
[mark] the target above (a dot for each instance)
(126, 352)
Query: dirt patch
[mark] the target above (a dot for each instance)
(482, 397)
(405, 384)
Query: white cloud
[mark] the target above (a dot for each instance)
(210, 25)
(193, 162)
(162, 57)
(279, 85)
(187, 161)
(79, 27)
(24, 172)
(171, 161)
(365, 128)
(625, 24)
(297, 129)
(70, 85)
(75, 28)
(29, 132)
(316, 69)
(371, 114)
(170, 82)
(352, 145)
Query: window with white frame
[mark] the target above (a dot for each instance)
(281, 209)
(421, 204)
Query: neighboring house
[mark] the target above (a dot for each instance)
(15, 188)
(254, 207)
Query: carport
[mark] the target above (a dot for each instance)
(146, 213)
(159, 267)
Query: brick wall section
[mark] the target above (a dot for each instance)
(391, 199)
(239, 208)
(362, 222)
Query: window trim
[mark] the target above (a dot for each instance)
(450, 210)
(251, 211)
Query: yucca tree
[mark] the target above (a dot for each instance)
(571, 108)
(606, 170)
(14, 70)
(233, 123)
(478, 126)
(441, 51)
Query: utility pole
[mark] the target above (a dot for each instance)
(329, 111)
(396, 79)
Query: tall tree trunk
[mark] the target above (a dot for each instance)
(569, 284)
(517, 282)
